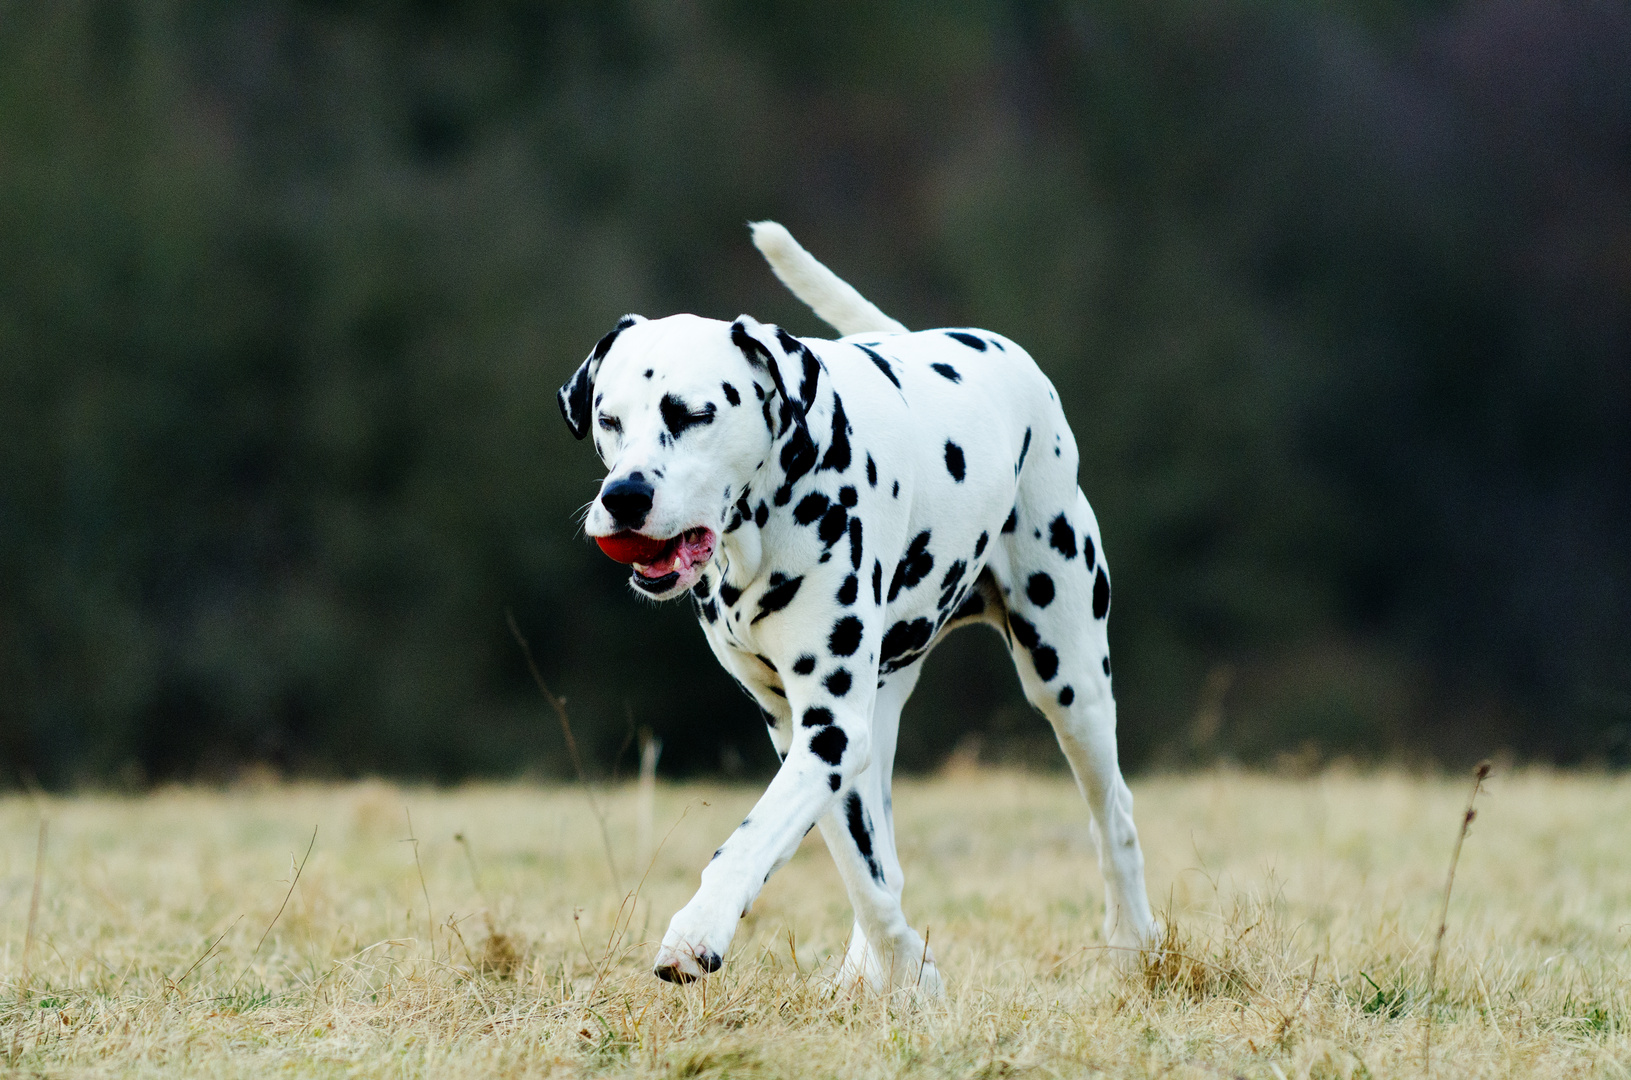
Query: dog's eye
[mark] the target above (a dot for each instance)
(611, 423)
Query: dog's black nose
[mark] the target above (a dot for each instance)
(628, 500)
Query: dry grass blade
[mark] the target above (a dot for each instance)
(175, 984)
(33, 909)
(292, 883)
(1171, 966)
(559, 705)
(1479, 775)
(430, 920)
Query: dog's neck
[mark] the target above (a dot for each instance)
(741, 551)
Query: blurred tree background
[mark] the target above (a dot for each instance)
(1337, 294)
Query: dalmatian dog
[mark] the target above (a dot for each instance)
(833, 508)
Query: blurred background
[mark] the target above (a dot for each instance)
(1337, 294)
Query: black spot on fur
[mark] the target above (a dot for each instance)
(838, 683)
(1066, 696)
(812, 372)
(877, 582)
(837, 457)
(828, 744)
(1013, 521)
(849, 590)
(871, 471)
(882, 365)
(1046, 661)
(860, 830)
(798, 457)
(1043, 658)
(778, 691)
(1107, 667)
(817, 717)
(1101, 595)
(947, 371)
(730, 393)
(710, 612)
(855, 542)
(1040, 590)
(765, 660)
(809, 508)
(1024, 448)
(845, 637)
(847, 496)
(954, 461)
(804, 664)
(1062, 538)
(903, 644)
(1089, 556)
(702, 588)
(780, 593)
(970, 340)
(834, 782)
(913, 567)
(949, 583)
(895, 492)
(833, 524)
(979, 545)
(729, 593)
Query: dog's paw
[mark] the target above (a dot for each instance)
(930, 985)
(685, 964)
(695, 944)
(1131, 949)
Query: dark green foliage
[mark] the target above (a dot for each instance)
(1390, 1003)
(1335, 296)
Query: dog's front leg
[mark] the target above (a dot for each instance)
(830, 748)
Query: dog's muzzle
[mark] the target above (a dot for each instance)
(662, 565)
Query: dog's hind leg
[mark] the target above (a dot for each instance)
(1057, 589)
(884, 951)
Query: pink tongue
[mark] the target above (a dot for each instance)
(666, 564)
(684, 555)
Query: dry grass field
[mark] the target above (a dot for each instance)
(1303, 914)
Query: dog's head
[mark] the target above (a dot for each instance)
(684, 412)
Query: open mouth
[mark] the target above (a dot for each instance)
(662, 565)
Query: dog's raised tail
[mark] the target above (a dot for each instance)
(827, 294)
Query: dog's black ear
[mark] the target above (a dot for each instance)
(792, 367)
(576, 396)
